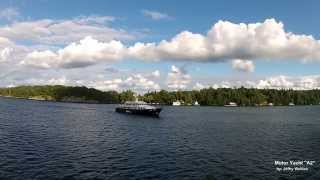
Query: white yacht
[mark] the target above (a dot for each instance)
(138, 107)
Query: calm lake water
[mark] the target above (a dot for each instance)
(46, 140)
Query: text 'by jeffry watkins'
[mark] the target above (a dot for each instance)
(294, 165)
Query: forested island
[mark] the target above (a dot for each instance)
(206, 97)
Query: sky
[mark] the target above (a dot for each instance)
(148, 45)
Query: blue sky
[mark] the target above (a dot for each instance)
(135, 21)
(298, 16)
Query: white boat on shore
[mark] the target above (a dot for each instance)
(176, 103)
(196, 103)
(291, 104)
(231, 104)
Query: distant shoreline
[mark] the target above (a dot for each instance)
(45, 100)
(232, 97)
(89, 102)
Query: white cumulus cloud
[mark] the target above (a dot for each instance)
(51, 31)
(87, 52)
(184, 46)
(287, 82)
(178, 78)
(41, 59)
(199, 86)
(225, 41)
(136, 82)
(5, 54)
(156, 73)
(243, 65)
(274, 82)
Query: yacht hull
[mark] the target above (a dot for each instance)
(146, 112)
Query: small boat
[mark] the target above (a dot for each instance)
(231, 104)
(138, 107)
(291, 104)
(196, 103)
(176, 103)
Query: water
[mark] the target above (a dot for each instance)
(46, 140)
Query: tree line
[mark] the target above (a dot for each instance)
(208, 97)
(242, 96)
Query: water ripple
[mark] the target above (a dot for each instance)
(45, 140)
